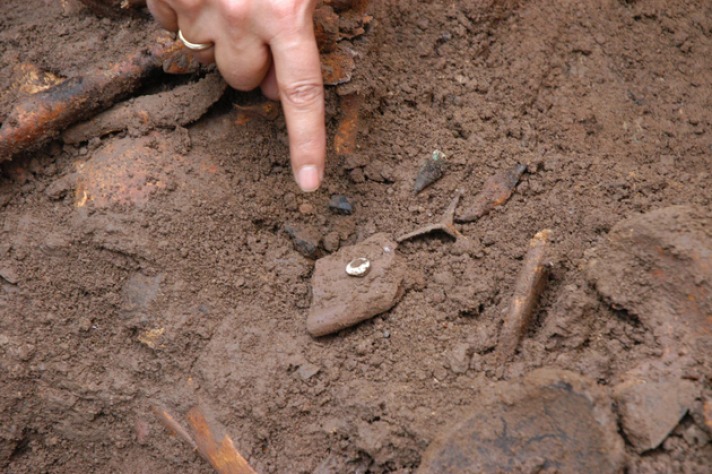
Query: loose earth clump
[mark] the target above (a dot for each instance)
(158, 263)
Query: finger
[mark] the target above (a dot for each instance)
(164, 14)
(269, 84)
(205, 56)
(243, 64)
(301, 91)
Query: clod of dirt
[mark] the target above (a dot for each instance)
(651, 402)
(305, 239)
(658, 266)
(431, 171)
(551, 420)
(125, 171)
(340, 300)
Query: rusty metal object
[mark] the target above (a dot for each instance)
(347, 130)
(431, 171)
(150, 111)
(43, 115)
(445, 224)
(221, 455)
(267, 110)
(496, 191)
(527, 289)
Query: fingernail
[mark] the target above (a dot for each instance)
(308, 178)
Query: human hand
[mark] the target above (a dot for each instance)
(266, 43)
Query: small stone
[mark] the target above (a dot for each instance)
(341, 205)
(305, 240)
(152, 337)
(306, 208)
(307, 371)
(331, 242)
(84, 324)
(459, 358)
(695, 437)
(9, 275)
(357, 175)
(340, 301)
(61, 187)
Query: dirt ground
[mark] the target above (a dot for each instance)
(184, 286)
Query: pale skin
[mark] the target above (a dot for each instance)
(265, 43)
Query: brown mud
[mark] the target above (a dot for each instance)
(153, 267)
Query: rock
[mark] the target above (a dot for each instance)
(341, 205)
(307, 371)
(695, 437)
(331, 242)
(658, 266)
(340, 300)
(61, 187)
(651, 402)
(551, 421)
(305, 239)
(9, 274)
(459, 358)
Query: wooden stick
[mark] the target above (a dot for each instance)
(527, 289)
(43, 115)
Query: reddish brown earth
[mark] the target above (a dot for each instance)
(153, 268)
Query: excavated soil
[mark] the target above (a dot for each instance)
(155, 268)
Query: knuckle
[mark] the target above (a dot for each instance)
(283, 11)
(303, 95)
(235, 12)
(190, 7)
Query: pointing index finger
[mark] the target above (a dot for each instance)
(301, 90)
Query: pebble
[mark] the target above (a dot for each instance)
(341, 205)
(340, 301)
(304, 239)
(459, 358)
(307, 371)
(549, 418)
(306, 208)
(9, 275)
(331, 242)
